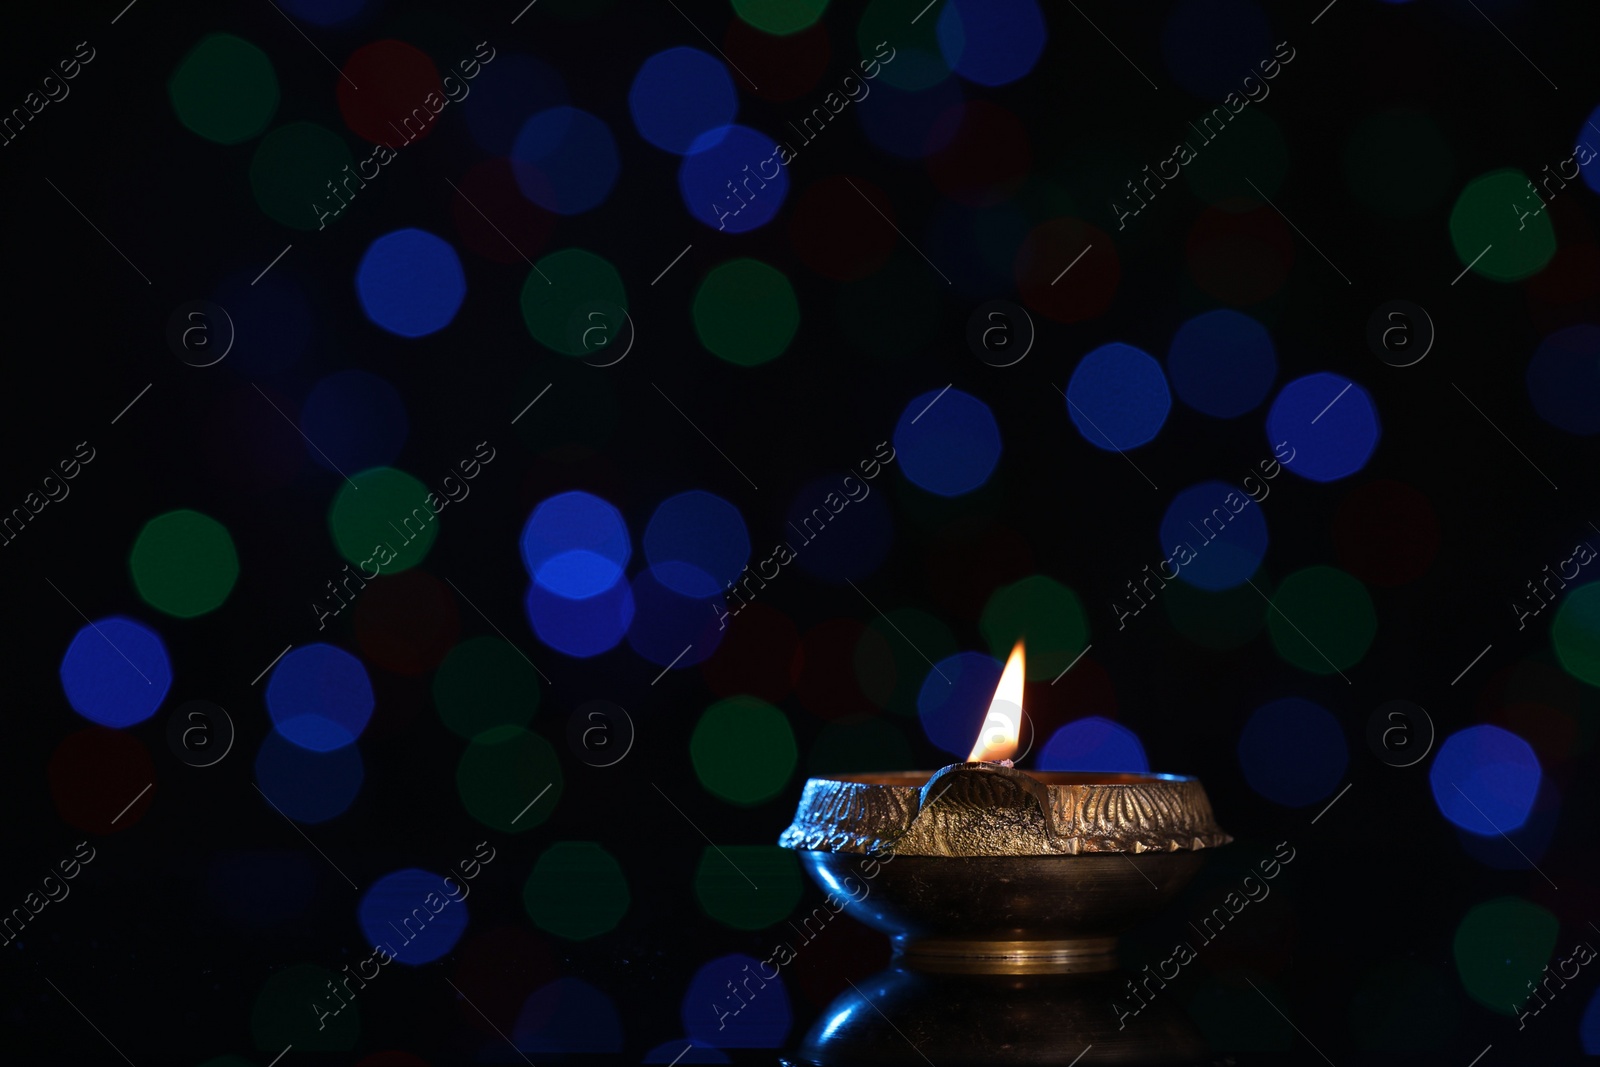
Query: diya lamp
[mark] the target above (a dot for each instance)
(1003, 891)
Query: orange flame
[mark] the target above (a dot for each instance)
(1002, 726)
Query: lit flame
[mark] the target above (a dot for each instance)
(1002, 726)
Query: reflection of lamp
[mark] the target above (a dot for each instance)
(1004, 892)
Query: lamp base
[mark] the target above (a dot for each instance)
(906, 1018)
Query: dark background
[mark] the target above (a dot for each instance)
(144, 949)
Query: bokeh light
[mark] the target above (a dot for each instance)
(1093, 744)
(565, 160)
(780, 17)
(1222, 363)
(1293, 752)
(1323, 426)
(279, 1016)
(1575, 633)
(696, 543)
(1044, 613)
(576, 890)
(116, 672)
(509, 779)
(363, 522)
(568, 1016)
(357, 420)
(724, 183)
(669, 628)
(504, 94)
(184, 563)
(390, 93)
(101, 780)
(1500, 947)
(485, 682)
(1485, 779)
(580, 628)
(319, 697)
(991, 42)
(575, 545)
(679, 94)
(290, 171)
(954, 696)
(1564, 379)
(1492, 237)
(763, 1022)
(743, 750)
(562, 294)
(410, 283)
(745, 312)
(1386, 533)
(405, 623)
(225, 89)
(416, 915)
(1214, 535)
(1118, 398)
(840, 536)
(307, 786)
(1322, 620)
(727, 877)
(947, 441)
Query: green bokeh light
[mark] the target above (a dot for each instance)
(291, 169)
(483, 683)
(1486, 216)
(502, 771)
(1399, 163)
(1501, 946)
(576, 890)
(903, 285)
(1236, 1018)
(282, 1014)
(1575, 633)
(1404, 1006)
(1322, 620)
(743, 750)
(583, 293)
(383, 508)
(1222, 620)
(907, 634)
(780, 17)
(1046, 615)
(915, 61)
(745, 312)
(749, 887)
(853, 747)
(224, 89)
(184, 563)
(1254, 146)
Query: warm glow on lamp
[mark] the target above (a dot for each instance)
(1002, 726)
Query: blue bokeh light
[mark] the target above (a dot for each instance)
(1589, 1026)
(1293, 752)
(309, 787)
(670, 628)
(575, 545)
(991, 42)
(1118, 397)
(410, 283)
(580, 628)
(1485, 779)
(1523, 848)
(679, 94)
(116, 672)
(271, 320)
(568, 1016)
(320, 697)
(1223, 530)
(504, 94)
(907, 124)
(763, 1022)
(947, 441)
(1329, 424)
(412, 913)
(1093, 744)
(954, 698)
(1210, 46)
(1222, 363)
(565, 160)
(719, 191)
(1591, 143)
(696, 543)
(841, 529)
(1564, 379)
(357, 421)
